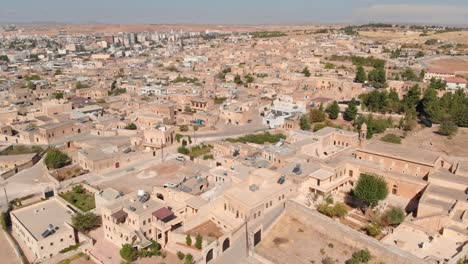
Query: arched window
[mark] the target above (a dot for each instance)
(226, 244)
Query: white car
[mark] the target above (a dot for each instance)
(170, 185)
(180, 158)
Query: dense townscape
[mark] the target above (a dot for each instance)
(286, 144)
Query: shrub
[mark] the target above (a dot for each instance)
(317, 114)
(180, 255)
(394, 216)
(326, 209)
(131, 126)
(328, 260)
(128, 253)
(189, 259)
(208, 156)
(183, 150)
(184, 128)
(340, 210)
(199, 242)
(362, 255)
(330, 210)
(188, 240)
(5, 220)
(391, 138)
(70, 248)
(373, 230)
(258, 138)
(78, 189)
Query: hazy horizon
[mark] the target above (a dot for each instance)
(240, 12)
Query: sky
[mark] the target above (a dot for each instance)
(235, 11)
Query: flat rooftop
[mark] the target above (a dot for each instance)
(402, 152)
(266, 183)
(37, 218)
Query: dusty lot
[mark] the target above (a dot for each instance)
(455, 64)
(7, 254)
(428, 139)
(292, 241)
(304, 236)
(413, 36)
(207, 229)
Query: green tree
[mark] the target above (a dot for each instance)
(317, 114)
(351, 111)
(237, 79)
(409, 75)
(128, 253)
(377, 77)
(306, 71)
(58, 95)
(393, 102)
(183, 150)
(394, 216)
(437, 84)
(373, 230)
(431, 107)
(80, 85)
(360, 75)
(78, 189)
(55, 159)
(333, 110)
(370, 189)
(131, 126)
(188, 240)
(411, 98)
(184, 128)
(304, 123)
(363, 256)
(198, 242)
(249, 78)
(420, 54)
(84, 222)
(447, 127)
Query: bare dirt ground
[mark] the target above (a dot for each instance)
(7, 253)
(455, 64)
(413, 36)
(428, 139)
(207, 229)
(294, 242)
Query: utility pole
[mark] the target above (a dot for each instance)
(4, 190)
(162, 152)
(6, 195)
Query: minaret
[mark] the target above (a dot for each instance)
(363, 135)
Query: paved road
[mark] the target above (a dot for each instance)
(28, 181)
(226, 131)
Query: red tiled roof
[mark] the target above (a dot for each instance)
(455, 80)
(162, 213)
(441, 71)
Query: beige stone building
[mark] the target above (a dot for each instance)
(43, 229)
